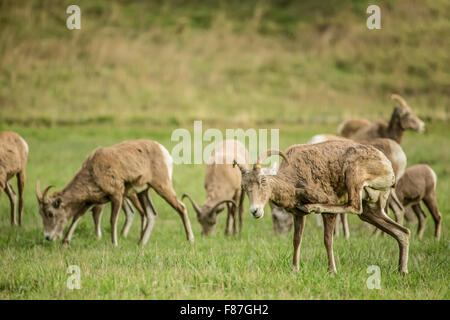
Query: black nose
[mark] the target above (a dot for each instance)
(254, 211)
(48, 238)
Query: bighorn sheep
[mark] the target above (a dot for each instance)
(110, 174)
(223, 186)
(416, 185)
(394, 152)
(329, 178)
(403, 118)
(13, 162)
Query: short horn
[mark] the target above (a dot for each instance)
(194, 204)
(38, 191)
(269, 153)
(399, 99)
(221, 202)
(44, 196)
(240, 166)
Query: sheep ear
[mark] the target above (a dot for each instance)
(57, 203)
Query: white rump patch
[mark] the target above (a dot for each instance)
(25, 144)
(434, 177)
(318, 138)
(167, 160)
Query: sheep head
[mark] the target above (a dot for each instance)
(52, 212)
(207, 214)
(257, 185)
(406, 117)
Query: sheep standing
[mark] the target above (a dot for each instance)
(223, 186)
(108, 175)
(416, 185)
(403, 118)
(13, 162)
(329, 178)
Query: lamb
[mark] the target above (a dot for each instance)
(223, 186)
(13, 162)
(108, 175)
(416, 185)
(329, 178)
(403, 118)
(394, 152)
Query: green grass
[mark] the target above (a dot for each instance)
(254, 265)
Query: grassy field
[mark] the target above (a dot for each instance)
(144, 68)
(254, 265)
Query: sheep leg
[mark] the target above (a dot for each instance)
(137, 204)
(336, 229)
(319, 220)
(20, 186)
(76, 217)
(129, 216)
(116, 204)
(12, 199)
(354, 189)
(344, 221)
(422, 219)
(241, 208)
(399, 211)
(299, 225)
(229, 221)
(167, 193)
(133, 198)
(374, 214)
(234, 215)
(329, 224)
(97, 216)
(431, 203)
(150, 214)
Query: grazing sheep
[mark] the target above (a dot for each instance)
(403, 118)
(223, 186)
(416, 185)
(108, 175)
(330, 178)
(13, 162)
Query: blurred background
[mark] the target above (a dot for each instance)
(241, 63)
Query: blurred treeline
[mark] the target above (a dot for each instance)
(239, 62)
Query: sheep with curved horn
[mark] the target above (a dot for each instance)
(223, 186)
(328, 178)
(402, 119)
(110, 174)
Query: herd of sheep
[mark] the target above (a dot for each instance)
(361, 171)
